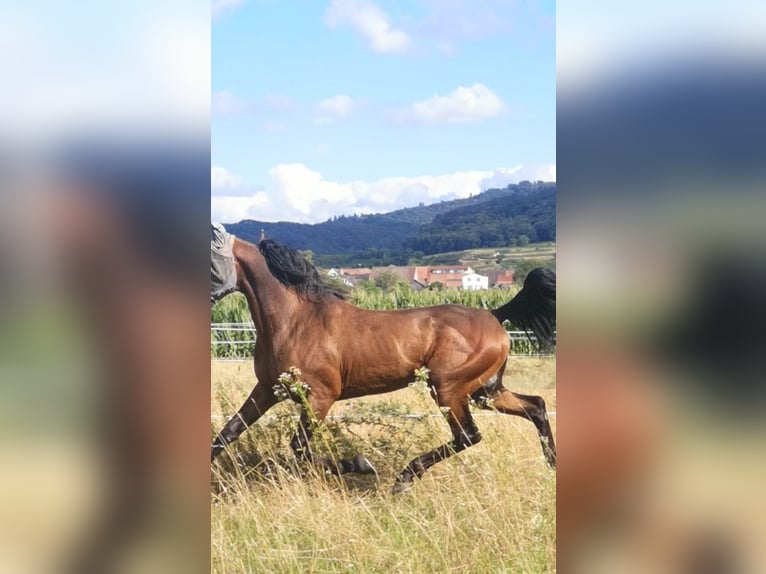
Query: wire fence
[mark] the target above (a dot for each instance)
(236, 341)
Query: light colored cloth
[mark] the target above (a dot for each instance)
(222, 270)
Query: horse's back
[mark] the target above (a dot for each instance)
(428, 320)
(416, 334)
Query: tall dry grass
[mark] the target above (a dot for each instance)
(490, 508)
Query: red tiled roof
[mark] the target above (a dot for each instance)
(452, 282)
(500, 277)
(356, 271)
(358, 277)
(405, 273)
(451, 276)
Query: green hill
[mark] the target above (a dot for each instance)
(523, 217)
(516, 215)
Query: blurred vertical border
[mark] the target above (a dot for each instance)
(104, 314)
(661, 149)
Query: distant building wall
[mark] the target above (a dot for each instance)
(474, 282)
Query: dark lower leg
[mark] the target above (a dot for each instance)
(301, 440)
(300, 444)
(528, 406)
(537, 413)
(259, 401)
(464, 433)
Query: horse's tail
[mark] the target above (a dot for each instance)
(534, 307)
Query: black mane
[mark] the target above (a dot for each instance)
(295, 272)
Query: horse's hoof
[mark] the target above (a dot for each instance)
(363, 466)
(402, 484)
(550, 458)
(401, 487)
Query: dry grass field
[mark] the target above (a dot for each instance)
(489, 509)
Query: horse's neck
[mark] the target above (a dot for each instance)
(268, 299)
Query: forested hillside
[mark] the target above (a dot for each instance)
(523, 217)
(516, 215)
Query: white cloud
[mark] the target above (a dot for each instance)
(464, 105)
(231, 199)
(501, 177)
(298, 193)
(333, 108)
(340, 105)
(548, 173)
(222, 178)
(234, 208)
(370, 21)
(221, 6)
(304, 189)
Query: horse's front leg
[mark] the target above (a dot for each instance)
(261, 399)
(313, 413)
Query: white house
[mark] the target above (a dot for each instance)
(474, 282)
(335, 274)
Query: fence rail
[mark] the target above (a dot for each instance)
(235, 341)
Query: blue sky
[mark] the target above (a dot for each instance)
(332, 107)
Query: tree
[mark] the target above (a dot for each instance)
(522, 240)
(522, 267)
(386, 280)
(309, 255)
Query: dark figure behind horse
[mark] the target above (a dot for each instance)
(343, 352)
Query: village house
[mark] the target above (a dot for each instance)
(474, 282)
(421, 276)
(502, 278)
(415, 276)
(450, 276)
(335, 274)
(353, 275)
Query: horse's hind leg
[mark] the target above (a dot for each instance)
(528, 406)
(260, 400)
(464, 434)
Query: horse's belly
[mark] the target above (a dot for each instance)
(372, 386)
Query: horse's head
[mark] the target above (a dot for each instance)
(223, 272)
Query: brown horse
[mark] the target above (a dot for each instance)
(343, 352)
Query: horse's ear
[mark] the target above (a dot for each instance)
(263, 236)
